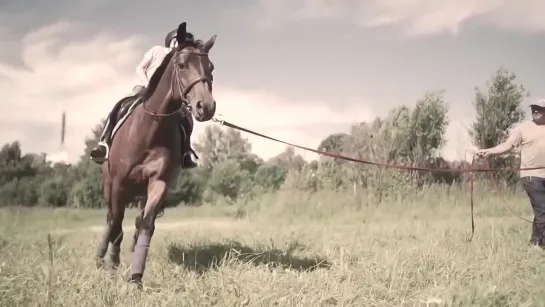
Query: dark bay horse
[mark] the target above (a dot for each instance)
(146, 153)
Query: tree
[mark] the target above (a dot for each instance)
(429, 121)
(13, 164)
(288, 160)
(21, 176)
(497, 111)
(86, 176)
(218, 145)
(406, 135)
(270, 176)
(229, 180)
(189, 188)
(92, 141)
(335, 143)
(87, 193)
(417, 134)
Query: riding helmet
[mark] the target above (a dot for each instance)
(172, 35)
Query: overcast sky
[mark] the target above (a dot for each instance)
(297, 70)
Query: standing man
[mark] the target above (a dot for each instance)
(530, 136)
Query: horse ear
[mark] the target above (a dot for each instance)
(210, 43)
(182, 30)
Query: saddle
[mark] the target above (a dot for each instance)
(122, 110)
(124, 107)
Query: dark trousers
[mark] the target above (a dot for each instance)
(186, 121)
(535, 189)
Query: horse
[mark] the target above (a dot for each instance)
(146, 152)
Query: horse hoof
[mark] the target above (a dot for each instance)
(138, 284)
(116, 261)
(100, 263)
(136, 280)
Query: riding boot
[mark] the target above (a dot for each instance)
(187, 152)
(100, 152)
(186, 128)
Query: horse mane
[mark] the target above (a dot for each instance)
(154, 81)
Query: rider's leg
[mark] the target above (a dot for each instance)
(138, 90)
(100, 153)
(186, 125)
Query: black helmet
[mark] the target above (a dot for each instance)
(172, 35)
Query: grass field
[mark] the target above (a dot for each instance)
(285, 250)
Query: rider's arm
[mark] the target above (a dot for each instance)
(141, 68)
(514, 139)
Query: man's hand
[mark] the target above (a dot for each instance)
(483, 153)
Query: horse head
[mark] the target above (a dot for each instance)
(193, 75)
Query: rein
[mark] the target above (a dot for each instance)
(472, 170)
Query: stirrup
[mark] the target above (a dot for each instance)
(107, 149)
(185, 154)
(192, 152)
(192, 163)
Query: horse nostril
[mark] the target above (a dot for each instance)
(199, 105)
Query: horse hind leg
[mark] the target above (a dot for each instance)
(156, 194)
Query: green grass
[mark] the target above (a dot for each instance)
(288, 249)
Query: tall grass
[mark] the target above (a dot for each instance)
(287, 249)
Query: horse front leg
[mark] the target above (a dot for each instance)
(105, 240)
(156, 193)
(137, 222)
(119, 203)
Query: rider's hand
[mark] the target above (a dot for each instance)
(483, 153)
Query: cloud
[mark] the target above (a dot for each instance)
(269, 13)
(425, 17)
(86, 76)
(414, 17)
(421, 17)
(83, 77)
(304, 123)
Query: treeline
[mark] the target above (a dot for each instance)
(229, 171)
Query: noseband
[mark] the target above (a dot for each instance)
(177, 83)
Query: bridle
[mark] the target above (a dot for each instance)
(178, 85)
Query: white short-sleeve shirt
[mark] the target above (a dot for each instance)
(155, 57)
(530, 137)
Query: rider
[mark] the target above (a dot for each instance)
(151, 61)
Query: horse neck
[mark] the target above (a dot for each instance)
(162, 96)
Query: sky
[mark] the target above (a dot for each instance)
(296, 70)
